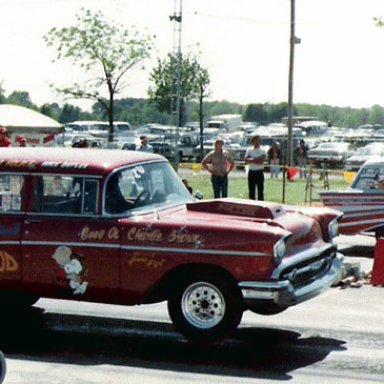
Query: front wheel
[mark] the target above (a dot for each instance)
(3, 367)
(206, 308)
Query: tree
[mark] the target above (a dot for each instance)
(202, 83)
(69, 113)
(3, 98)
(52, 110)
(256, 113)
(108, 50)
(21, 98)
(164, 90)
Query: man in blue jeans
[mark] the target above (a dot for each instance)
(219, 163)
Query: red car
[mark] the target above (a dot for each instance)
(121, 227)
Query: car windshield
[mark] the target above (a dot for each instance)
(143, 187)
(370, 177)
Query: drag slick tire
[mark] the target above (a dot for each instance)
(205, 307)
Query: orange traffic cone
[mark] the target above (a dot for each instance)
(377, 277)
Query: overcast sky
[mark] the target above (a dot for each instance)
(243, 43)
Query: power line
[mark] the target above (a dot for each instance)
(239, 18)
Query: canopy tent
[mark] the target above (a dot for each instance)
(36, 127)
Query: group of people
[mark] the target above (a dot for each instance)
(219, 163)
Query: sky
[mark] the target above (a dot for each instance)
(244, 44)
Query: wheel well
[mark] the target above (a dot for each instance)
(164, 287)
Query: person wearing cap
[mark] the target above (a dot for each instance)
(219, 163)
(144, 146)
(255, 157)
(4, 139)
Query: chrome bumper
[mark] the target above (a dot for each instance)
(283, 294)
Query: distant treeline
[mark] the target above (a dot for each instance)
(142, 111)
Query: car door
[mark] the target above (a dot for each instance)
(12, 201)
(67, 251)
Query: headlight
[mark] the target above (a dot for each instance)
(279, 249)
(333, 228)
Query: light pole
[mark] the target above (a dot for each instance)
(177, 18)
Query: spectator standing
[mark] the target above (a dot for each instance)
(255, 157)
(274, 157)
(302, 158)
(219, 163)
(4, 139)
(144, 146)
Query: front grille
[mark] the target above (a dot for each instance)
(304, 272)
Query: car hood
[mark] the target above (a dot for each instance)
(244, 224)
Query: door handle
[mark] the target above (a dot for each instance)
(32, 221)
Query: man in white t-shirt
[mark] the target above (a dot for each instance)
(255, 157)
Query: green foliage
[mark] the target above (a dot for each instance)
(3, 98)
(193, 80)
(51, 110)
(21, 98)
(107, 50)
(256, 112)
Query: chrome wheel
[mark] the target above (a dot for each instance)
(203, 305)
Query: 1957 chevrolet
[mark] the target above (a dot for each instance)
(120, 227)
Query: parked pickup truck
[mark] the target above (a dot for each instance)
(120, 227)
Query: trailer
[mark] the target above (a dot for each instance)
(226, 123)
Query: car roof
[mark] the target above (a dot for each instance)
(69, 160)
(375, 161)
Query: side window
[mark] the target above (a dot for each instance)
(91, 189)
(11, 193)
(65, 194)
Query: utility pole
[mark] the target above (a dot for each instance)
(292, 41)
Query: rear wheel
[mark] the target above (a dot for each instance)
(206, 308)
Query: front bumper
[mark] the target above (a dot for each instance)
(284, 293)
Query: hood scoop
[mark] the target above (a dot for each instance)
(239, 207)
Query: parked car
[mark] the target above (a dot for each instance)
(120, 227)
(166, 150)
(368, 152)
(331, 154)
(186, 145)
(239, 151)
(362, 203)
(208, 146)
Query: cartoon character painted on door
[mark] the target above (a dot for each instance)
(72, 269)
